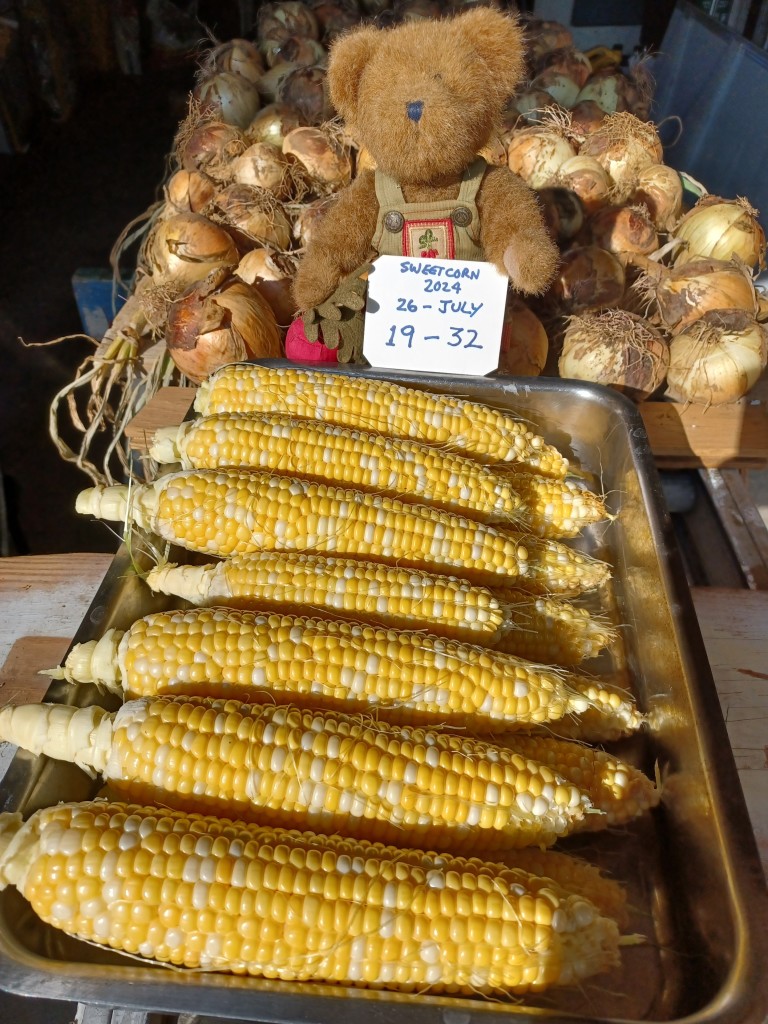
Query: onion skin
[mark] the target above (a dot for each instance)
(717, 359)
(586, 117)
(305, 88)
(208, 146)
(588, 278)
(189, 191)
(617, 349)
(232, 98)
(721, 229)
(536, 154)
(185, 248)
(240, 56)
(686, 293)
(524, 342)
(624, 145)
(217, 321)
(583, 175)
(327, 164)
(272, 124)
(622, 229)
(660, 190)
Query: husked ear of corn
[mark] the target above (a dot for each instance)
(223, 513)
(556, 508)
(406, 677)
(217, 895)
(485, 433)
(309, 769)
(339, 455)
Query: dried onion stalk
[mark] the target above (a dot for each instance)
(220, 320)
(717, 358)
(722, 229)
(615, 348)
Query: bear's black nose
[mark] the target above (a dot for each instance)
(414, 110)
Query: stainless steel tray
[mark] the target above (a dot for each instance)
(692, 868)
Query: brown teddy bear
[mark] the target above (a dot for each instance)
(423, 98)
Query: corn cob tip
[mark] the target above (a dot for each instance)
(82, 736)
(95, 661)
(165, 445)
(193, 583)
(11, 862)
(202, 395)
(120, 503)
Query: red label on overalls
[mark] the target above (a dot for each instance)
(430, 239)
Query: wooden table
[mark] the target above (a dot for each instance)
(43, 598)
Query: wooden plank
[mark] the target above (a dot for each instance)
(681, 436)
(742, 522)
(20, 679)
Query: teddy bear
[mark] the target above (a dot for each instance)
(423, 97)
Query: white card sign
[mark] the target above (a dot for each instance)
(434, 315)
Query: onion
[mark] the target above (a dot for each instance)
(328, 164)
(722, 229)
(271, 273)
(230, 97)
(660, 190)
(624, 146)
(584, 176)
(186, 247)
(563, 212)
(306, 89)
(533, 105)
(335, 16)
(302, 52)
(264, 166)
(204, 144)
(308, 218)
(588, 278)
(543, 35)
(217, 321)
(537, 154)
(524, 342)
(559, 85)
(269, 83)
(278, 22)
(239, 56)
(189, 191)
(610, 89)
(254, 215)
(621, 229)
(717, 359)
(586, 117)
(685, 293)
(567, 61)
(272, 124)
(616, 348)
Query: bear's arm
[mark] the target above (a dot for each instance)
(342, 241)
(513, 233)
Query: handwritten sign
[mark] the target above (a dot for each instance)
(428, 315)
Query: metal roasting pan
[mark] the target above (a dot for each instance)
(695, 882)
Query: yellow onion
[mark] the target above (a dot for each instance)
(327, 163)
(240, 56)
(683, 294)
(622, 229)
(253, 215)
(587, 278)
(543, 35)
(272, 124)
(308, 218)
(537, 154)
(585, 176)
(532, 106)
(186, 247)
(559, 85)
(264, 166)
(610, 89)
(722, 229)
(189, 191)
(624, 145)
(335, 16)
(208, 145)
(271, 273)
(660, 190)
(302, 52)
(306, 89)
(276, 23)
(229, 97)
(717, 358)
(524, 342)
(615, 348)
(217, 321)
(567, 61)
(270, 81)
(563, 212)
(586, 117)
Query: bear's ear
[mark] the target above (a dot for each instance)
(500, 41)
(348, 56)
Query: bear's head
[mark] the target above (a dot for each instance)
(425, 96)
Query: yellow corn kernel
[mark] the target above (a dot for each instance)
(223, 513)
(407, 677)
(339, 455)
(218, 895)
(485, 433)
(294, 768)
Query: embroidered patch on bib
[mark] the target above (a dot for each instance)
(430, 239)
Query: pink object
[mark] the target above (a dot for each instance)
(300, 350)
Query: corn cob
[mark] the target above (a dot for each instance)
(223, 513)
(212, 894)
(617, 789)
(308, 769)
(406, 677)
(556, 508)
(338, 455)
(547, 630)
(484, 433)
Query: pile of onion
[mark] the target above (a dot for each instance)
(717, 358)
(722, 229)
(619, 349)
(220, 320)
